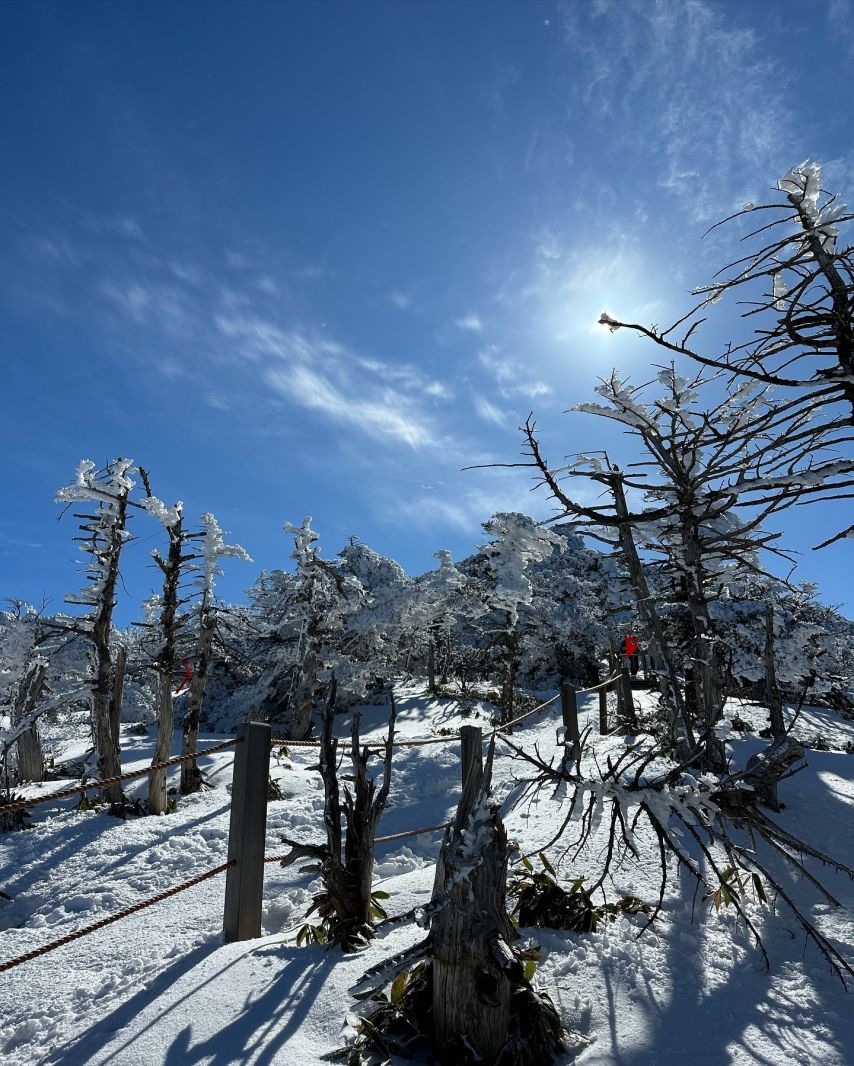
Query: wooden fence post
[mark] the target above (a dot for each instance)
(471, 742)
(627, 714)
(472, 771)
(569, 709)
(244, 884)
(603, 711)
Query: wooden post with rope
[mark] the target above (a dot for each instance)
(628, 718)
(244, 883)
(569, 710)
(471, 743)
(603, 711)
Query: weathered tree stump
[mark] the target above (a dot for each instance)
(30, 755)
(761, 776)
(474, 966)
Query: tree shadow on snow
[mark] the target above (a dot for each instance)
(265, 1025)
(82, 1051)
(721, 1006)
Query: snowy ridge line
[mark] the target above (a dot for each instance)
(79, 790)
(132, 909)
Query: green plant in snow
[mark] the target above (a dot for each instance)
(348, 935)
(541, 901)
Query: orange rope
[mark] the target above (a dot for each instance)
(412, 833)
(602, 684)
(11, 963)
(369, 743)
(93, 785)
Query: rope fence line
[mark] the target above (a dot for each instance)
(412, 833)
(386, 839)
(418, 742)
(79, 790)
(45, 948)
(167, 893)
(527, 714)
(602, 684)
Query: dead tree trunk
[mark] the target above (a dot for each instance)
(431, 663)
(301, 700)
(347, 873)
(117, 698)
(104, 535)
(191, 775)
(106, 741)
(668, 680)
(508, 688)
(483, 1009)
(707, 668)
(762, 775)
(30, 755)
(772, 689)
(474, 966)
(157, 798)
(446, 657)
(158, 801)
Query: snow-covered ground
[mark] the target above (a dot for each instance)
(159, 987)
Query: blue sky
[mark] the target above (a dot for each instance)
(315, 258)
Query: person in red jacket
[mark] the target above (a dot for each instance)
(629, 648)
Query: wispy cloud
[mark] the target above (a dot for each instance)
(144, 301)
(55, 248)
(120, 225)
(468, 498)
(383, 417)
(401, 300)
(693, 97)
(470, 321)
(488, 412)
(322, 375)
(512, 378)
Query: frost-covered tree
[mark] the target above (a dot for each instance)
(212, 550)
(302, 621)
(23, 685)
(566, 624)
(796, 280)
(433, 604)
(375, 628)
(168, 625)
(517, 543)
(708, 479)
(810, 641)
(105, 494)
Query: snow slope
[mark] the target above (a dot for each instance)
(160, 988)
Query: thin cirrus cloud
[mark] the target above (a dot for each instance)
(709, 103)
(401, 300)
(464, 509)
(302, 366)
(380, 417)
(324, 376)
(488, 412)
(470, 322)
(512, 378)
